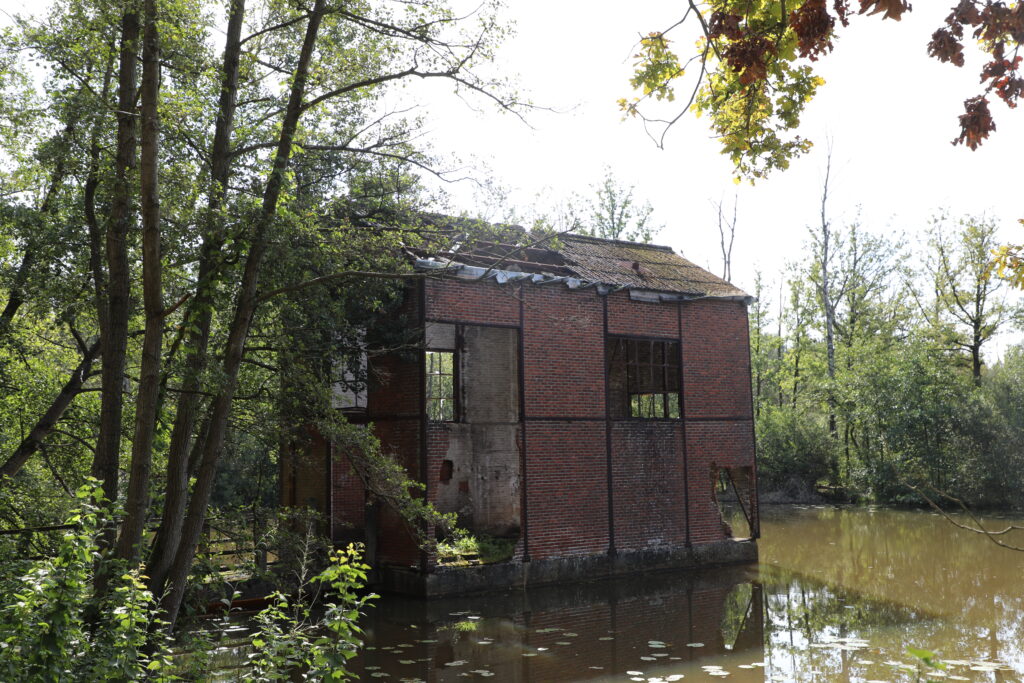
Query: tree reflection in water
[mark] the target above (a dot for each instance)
(839, 596)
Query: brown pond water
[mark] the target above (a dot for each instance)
(839, 595)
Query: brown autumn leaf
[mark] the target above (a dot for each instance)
(749, 57)
(892, 9)
(723, 24)
(842, 10)
(813, 27)
(975, 123)
(946, 48)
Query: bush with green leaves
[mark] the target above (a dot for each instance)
(54, 627)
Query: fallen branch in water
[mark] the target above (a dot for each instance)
(978, 527)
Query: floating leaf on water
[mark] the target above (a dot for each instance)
(676, 659)
(649, 659)
(563, 642)
(695, 645)
(675, 677)
(425, 640)
(547, 630)
(638, 678)
(659, 654)
(457, 662)
(529, 654)
(655, 643)
(746, 666)
(597, 668)
(482, 672)
(607, 638)
(380, 674)
(372, 668)
(542, 649)
(570, 634)
(484, 642)
(404, 645)
(634, 673)
(406, 661)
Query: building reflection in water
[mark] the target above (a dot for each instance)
(660, 626)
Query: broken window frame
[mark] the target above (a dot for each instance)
(658, 360)
(443, 405)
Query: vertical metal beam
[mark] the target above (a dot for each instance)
(608, 435)
(422, 291)
(329, 483)
(682, 420)
(523, 498)
(755, 527)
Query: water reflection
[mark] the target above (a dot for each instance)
(840, 595)
(657, 627)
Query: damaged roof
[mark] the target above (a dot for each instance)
(581, 261)
(641, 266)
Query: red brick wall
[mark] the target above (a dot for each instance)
(566, 462)
(642, 318)
(649, 498)
(725, 444)
(716, 359)
(566, 489)
(564, 352)
(472, 302)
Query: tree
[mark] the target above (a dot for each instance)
(755, 62)
(969, 298)
(178, 171)
(614, 214)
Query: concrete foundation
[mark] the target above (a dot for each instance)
(513, 575)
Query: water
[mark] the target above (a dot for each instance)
(840, 595)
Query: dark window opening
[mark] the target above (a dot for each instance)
(440, 370)
(643, 378)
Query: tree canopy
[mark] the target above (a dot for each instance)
(755, 68)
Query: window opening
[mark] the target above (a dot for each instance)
(651, 373)
(440, 368)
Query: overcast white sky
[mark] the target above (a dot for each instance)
(889, 109)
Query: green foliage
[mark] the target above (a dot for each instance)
(907, 406)
(291, 640)
(53, 629)
(474, 549)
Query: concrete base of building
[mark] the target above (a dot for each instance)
(517, 575)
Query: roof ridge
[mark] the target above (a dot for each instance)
(627, 243)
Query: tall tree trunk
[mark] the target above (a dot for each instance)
(30, 444)
(169, 533)
(147, 398)
(114, 335)
(245, 308)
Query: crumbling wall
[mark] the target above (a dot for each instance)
(479, 475)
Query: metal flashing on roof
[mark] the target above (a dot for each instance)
(649, 272)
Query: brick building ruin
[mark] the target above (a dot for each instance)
(592, 401)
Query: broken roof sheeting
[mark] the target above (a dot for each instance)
(641, 266)
(580, 261)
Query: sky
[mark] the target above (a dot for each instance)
(888, 109)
